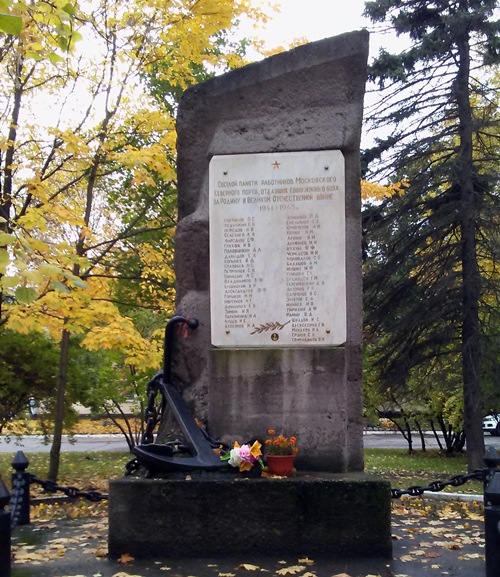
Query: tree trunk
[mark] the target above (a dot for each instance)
(471, 350)
(7, 170)
(55, 450)
(436, 436)
(421, 434)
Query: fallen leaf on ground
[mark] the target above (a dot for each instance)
(36, 558)
(62, 541)
(125, 558)
(248, 567)
(406, 558)
(471, 556)
(48, 526)
(291, 570)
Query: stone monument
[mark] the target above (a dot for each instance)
(268, 250)
(268, 260)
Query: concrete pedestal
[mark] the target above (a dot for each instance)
(207, 515)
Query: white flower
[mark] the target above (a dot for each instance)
(234, 457)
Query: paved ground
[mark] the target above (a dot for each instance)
(444, 541)
(395, 440)
(81, 443)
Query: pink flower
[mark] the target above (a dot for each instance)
(245, 455)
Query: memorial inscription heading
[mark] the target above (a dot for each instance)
(277, 249)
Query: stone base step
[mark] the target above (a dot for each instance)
(217, 514)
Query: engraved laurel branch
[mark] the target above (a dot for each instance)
(268, 327)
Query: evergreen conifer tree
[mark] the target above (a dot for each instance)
(432, 249)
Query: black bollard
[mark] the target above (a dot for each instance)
(20, 501)
(492, 513)
(4, 531)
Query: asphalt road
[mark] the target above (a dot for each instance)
(85, 443)
(395, 440)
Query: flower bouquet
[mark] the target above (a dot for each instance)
(244, 457)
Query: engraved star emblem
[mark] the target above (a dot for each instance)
(276, 164)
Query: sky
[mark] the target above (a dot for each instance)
(315, 19)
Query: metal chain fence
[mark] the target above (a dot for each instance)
(436, 486)
(71, 492)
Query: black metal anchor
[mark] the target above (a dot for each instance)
(197, 448)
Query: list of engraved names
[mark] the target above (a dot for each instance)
(277, 249)
(303, 273)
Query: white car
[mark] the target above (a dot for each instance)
(491, 425)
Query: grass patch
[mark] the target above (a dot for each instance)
(93, 470)
(86, 471)
(403, 469)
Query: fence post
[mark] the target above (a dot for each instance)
(20, 500)
(492, 513)
(4, 531)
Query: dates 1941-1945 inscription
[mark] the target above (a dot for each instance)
(277, 249)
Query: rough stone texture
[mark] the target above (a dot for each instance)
(335, 515)
(290, 387)
(310, 98)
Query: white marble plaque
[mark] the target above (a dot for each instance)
(277, 249)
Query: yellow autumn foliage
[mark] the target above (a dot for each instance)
(374, 191)
(90, 146)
